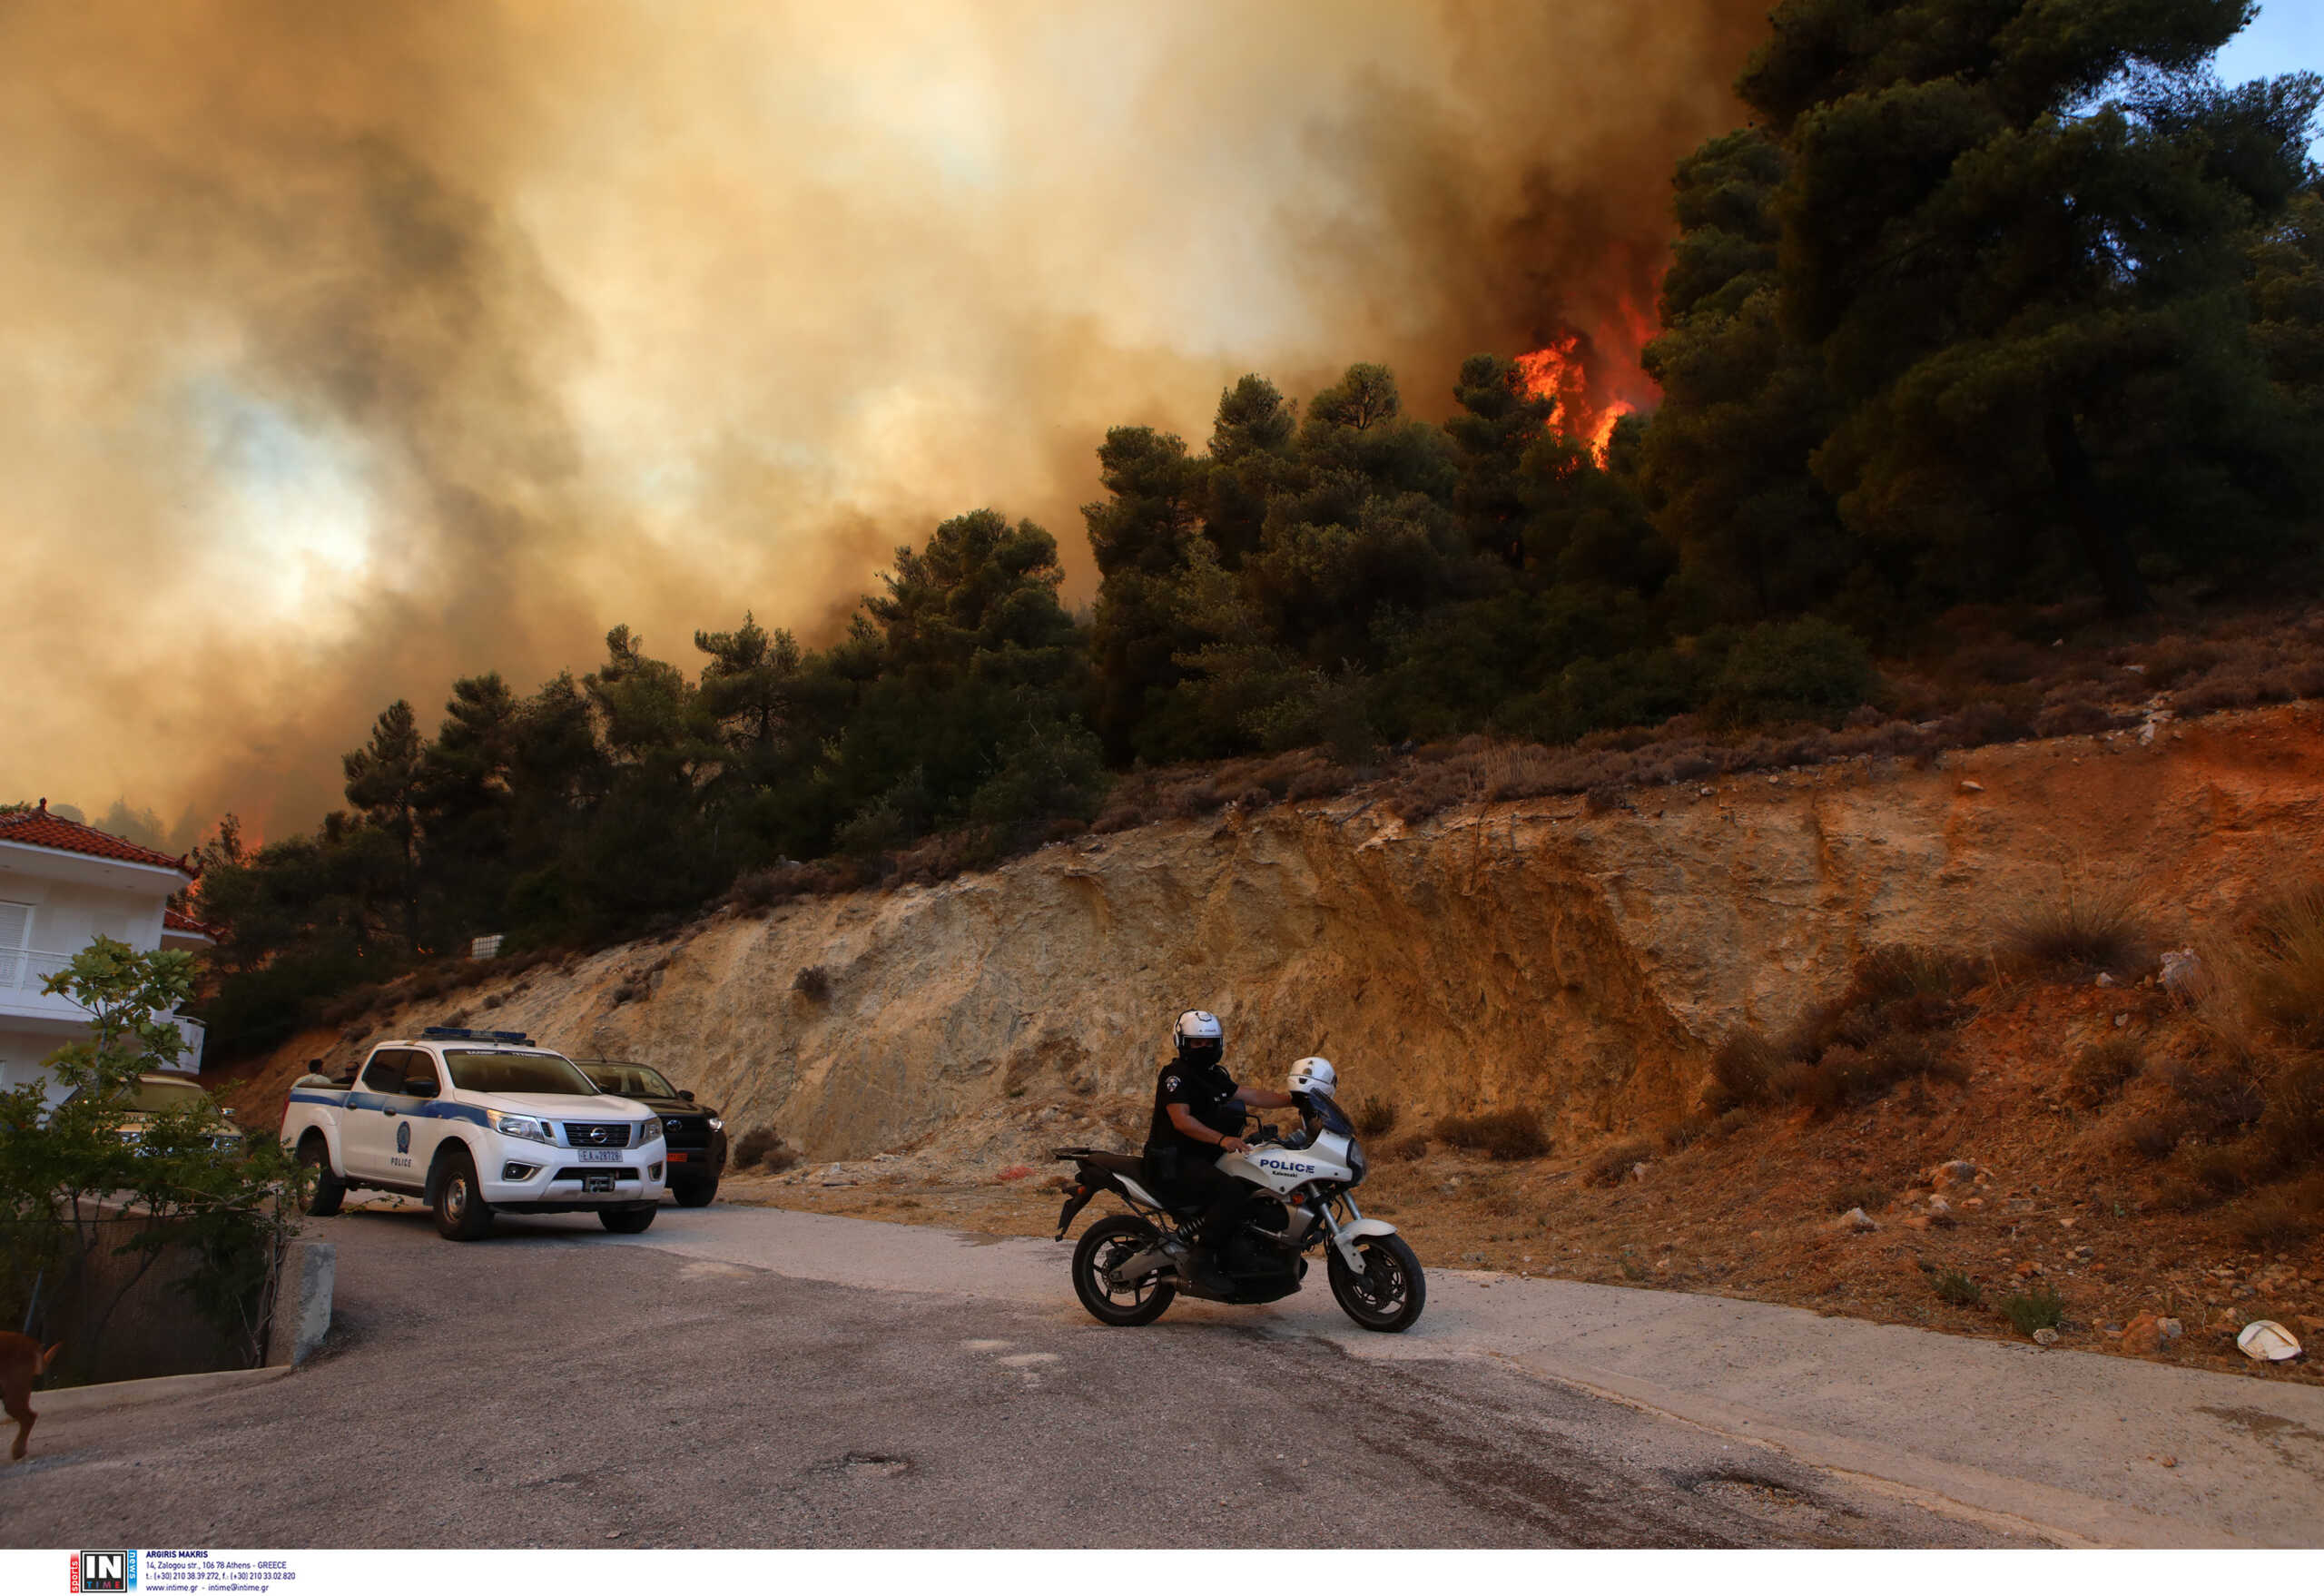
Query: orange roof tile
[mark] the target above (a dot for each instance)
(41, 829)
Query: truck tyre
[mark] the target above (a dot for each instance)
(462, 1212)
(695, 1194)
(625, 1221)
(329, 1191)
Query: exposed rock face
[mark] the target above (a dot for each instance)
(1529, 954)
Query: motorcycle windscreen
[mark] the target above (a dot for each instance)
(1330, 1119)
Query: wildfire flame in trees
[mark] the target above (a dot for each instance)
(1591, 383)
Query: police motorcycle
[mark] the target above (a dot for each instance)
(1299, 1195)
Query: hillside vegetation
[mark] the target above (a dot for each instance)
(1985, 338)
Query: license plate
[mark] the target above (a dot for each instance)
(680, 1157)
(588, 1157)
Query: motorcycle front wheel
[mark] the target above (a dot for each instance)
(1107, 1243)
(1389, 1293)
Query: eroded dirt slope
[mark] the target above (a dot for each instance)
(1532, 954)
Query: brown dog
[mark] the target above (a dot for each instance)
(21, 1362)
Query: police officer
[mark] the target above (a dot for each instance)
(1197, 1116)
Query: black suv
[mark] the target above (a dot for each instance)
(696, 1135)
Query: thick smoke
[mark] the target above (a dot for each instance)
(348, 348)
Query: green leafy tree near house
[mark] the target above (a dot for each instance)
(186, 1183)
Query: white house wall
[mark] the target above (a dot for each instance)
(67, 916)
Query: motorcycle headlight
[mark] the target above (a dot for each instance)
(523, 1127)
(653, 1132)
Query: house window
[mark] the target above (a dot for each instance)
(16, 930)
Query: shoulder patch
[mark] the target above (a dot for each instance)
(1170, 1083)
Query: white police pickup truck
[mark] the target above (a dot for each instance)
(474, 1121)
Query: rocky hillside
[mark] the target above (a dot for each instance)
(1578, 957)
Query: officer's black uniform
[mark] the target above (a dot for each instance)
(1186, 1171)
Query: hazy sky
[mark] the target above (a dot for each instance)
(349, 348)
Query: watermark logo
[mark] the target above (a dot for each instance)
(104, 1570)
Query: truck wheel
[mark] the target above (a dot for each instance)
(695, 1194)
(462, 1212)
(329, 1191)
(625, 1221)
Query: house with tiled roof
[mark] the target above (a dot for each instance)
(62, 885)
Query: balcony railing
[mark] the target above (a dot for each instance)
(22, 970)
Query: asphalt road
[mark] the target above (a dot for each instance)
(555, 1386)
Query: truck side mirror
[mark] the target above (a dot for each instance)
(687, 1096)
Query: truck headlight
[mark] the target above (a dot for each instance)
(716, 1123)
(653, 1132)
(524, 1126)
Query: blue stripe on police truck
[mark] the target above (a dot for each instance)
(421, 1109)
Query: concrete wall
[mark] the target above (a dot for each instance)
(153, 1331)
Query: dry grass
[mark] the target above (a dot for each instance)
(2154, 1136)
(1892, 1024)
(1609, 1166)
(2100, 1071)
(2282, 970)
(764, 1149)
(2083, 931)
(1507, 1133)
(1741, 1071)
(1374, 1117)
(2284, 1217)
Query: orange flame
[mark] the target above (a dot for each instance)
(1591, 384)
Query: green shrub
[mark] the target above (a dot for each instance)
(2039, 1308)
(1808, 669)
(1956, 1288)
(1507, 1133)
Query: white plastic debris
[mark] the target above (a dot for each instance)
(2267, 1342)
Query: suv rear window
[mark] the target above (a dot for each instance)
(152, 1096)
(518, 1072)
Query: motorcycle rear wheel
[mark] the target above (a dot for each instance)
(1107, 1243)
(1390, 1293)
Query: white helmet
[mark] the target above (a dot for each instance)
(1198, 1037)
(1314, 1075)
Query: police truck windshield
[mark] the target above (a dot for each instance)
(518, 1072)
